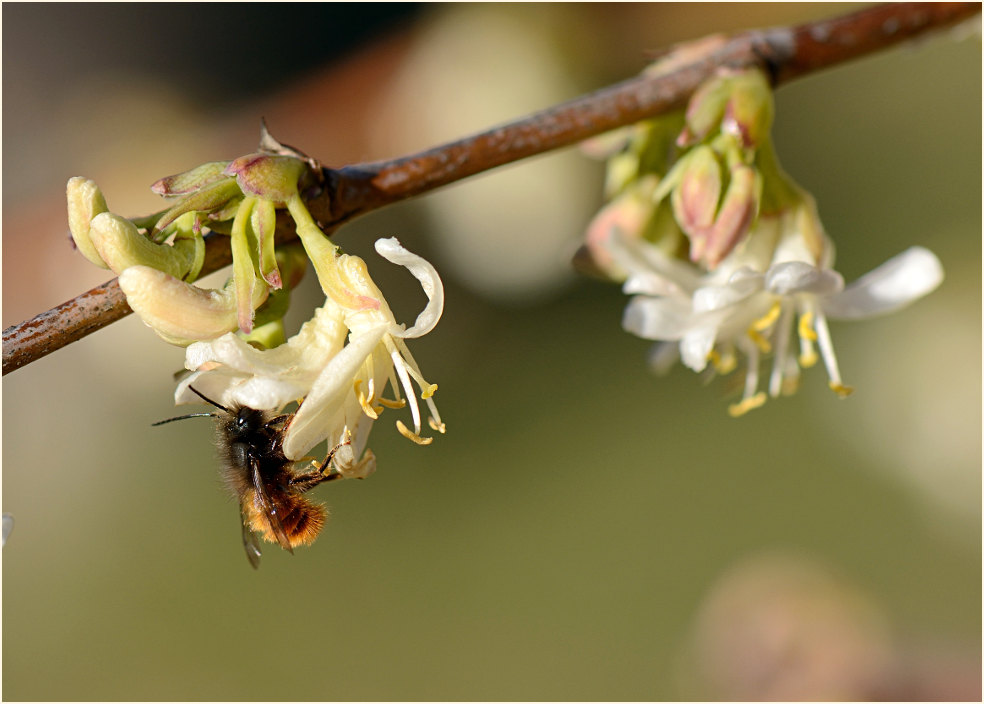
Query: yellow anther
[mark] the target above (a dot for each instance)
(766, 321)
(806, 330)
(723, 363)
(746, 404)
(755, 336)
(439, 427)
(790, 385)
(840, 389)
(364, 402)
(429, 391)
(387, 403)
(808, 359)
(407, 433)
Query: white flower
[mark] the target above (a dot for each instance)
(706, 318)
(341, 384)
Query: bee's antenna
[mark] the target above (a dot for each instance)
(190, 415)
(208, 400)
(195, 415)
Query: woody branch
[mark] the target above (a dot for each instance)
(785, 53)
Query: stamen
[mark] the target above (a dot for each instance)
(747, 404)
(769, 318)
(808, 356)
(829, 358)
(405, 432)
(364, 402)
(760, 342)
(806, 331)
(387, 403)
(759, 326)
(428, 392)
(723, 363)
(783, 329)
(439, 427)
(401, 370)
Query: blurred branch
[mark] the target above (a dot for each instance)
(785, 53)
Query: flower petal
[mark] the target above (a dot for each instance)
(311, 424)
(799, 277)
(657, 318)
(430, 281)
(893, 285)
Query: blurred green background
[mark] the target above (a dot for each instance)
(584, 530)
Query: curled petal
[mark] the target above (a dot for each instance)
(180, 312)
(893, 285)
(85, 201)
(430, 281)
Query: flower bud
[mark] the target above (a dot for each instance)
(734, 218)
(85, 201)
(695, 198)
(750, 109)
(272, 178)
(706, 108)
(190, 181)
(121, 245)
(179, 312)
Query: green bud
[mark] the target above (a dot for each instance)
(121, 245)
(750, 110)
(190, 181)
(706, 108)
(210, 198)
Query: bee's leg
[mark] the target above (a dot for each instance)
(309, 480)
(278, 420)
(327, 463)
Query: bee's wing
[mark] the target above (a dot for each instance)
(270, 509)
(250, 543)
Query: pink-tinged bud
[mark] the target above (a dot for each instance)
(179, 312)
(735, 217)
(85, 201)
(272, 178)
(263, 221)
(748, 115)
(695, 198)
(628, 214)
(190, 181)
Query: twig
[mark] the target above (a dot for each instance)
(786, 53)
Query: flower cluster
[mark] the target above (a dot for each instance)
(337, 366)
(723, 254)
